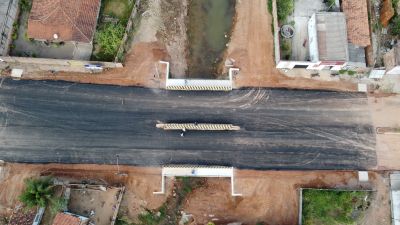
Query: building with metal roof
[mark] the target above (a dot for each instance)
(327, 33)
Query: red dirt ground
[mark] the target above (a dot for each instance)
(268, 196)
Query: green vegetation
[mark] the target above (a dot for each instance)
(270, 8)
(330, 3)
(395, 3)
(152, 218)
(395, 25)
(120, 9)
(108, 38)
(329, 207)
(58, 205)
(25, 5)
(170, 211)
(285, 8)
(38, 192)
(348, 72)
(15, 31)
(113, 20)
(286, 49)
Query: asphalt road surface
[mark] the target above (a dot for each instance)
(43, 122)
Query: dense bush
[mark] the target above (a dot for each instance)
(109, 38)
(395, 25)
(326, 207)
(38, 192)
(285, 8)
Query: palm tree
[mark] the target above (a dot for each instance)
(38, 192)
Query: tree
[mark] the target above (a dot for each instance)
(38, 192)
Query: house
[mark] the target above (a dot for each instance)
(392, 61)
(334, 40)
(63, 20)
(69, 219)
(8, 15)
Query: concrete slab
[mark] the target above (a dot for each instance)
(303, 10)
(300, 47)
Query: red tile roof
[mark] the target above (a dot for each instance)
(65, 219)
(71, 20)
(357, 22)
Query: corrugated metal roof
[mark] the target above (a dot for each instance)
(332, 36)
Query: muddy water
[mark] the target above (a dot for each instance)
(209, 26)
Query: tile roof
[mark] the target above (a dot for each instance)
(356, 12)
(66, 219)
(71, 20)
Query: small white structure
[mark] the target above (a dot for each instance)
(395, 197)
(17, 73)
(197, 171)
(362, 88)
(363, 176)
(198, 84)
(377, 74)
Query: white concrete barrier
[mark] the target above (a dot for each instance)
(197, 171)
(198, 84)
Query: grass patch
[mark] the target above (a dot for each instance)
(108, 39)
(114, 16)
(270, 6)
(286, 49)
(120, 9)
(284, 8)
(329, 207)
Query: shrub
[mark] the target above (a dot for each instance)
(25, 5)
(58, 205)
(270, 6)
(351, 72)
(330, 3)
(332, 207)
(395, 25)
(109, 38)
(285, 8)
(38, 192)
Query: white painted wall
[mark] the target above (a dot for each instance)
(394, 71)
(313, 39)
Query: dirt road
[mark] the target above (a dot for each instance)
(269, 196)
